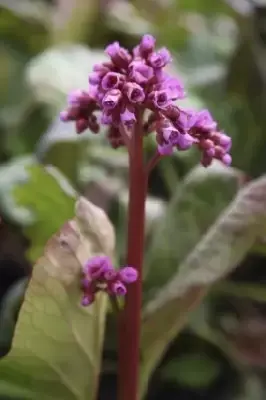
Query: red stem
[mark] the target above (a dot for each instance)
(130, 318)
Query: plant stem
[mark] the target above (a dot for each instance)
(130, 318)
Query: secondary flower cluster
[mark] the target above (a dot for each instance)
(100, 275)
(133, 82)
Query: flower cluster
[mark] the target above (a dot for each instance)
(100, 275)
(133, 82)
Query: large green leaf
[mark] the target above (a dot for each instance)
(196, 204)
(220, 250)
(57, 345)
(39, 198)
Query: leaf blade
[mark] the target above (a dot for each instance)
(198, 201)
(56, 340)
(229, 239)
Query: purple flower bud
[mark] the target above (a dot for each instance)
(161, 99)
(111, 99)
(111, 80)
(210, 153)
(96, 266)
(227, 160)
(160, 58)
(87, 299)
(110, 274)
(119, 56)
(147, 45)
(112, 49)
(128, 274)
(134, 92)
(64, 116)
(118, 288)
(128, 117)
(225, 141)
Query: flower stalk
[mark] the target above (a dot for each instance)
(130, 319)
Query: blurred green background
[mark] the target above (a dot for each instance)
(48, 47)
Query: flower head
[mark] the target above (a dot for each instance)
(147, 45)
(100, 275)
(133, 81)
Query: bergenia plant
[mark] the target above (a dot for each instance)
(135, 97)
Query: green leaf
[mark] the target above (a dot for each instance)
(57, 345)
(38, 198)
(195, 205)
(48, 195)
(219, 251)
(193, 370)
